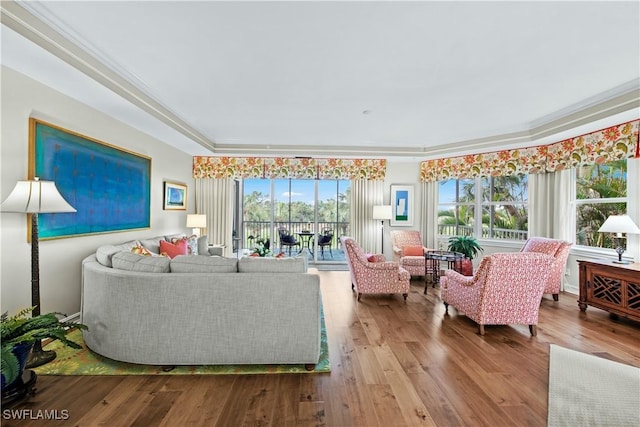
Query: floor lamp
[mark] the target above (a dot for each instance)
(618, 224)
(34, 197)
(382, 212)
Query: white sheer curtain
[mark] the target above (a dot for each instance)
(215, 198)
(550, 211)
(364, 229)
(429, 214)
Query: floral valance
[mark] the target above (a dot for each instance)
(284, 167)
(613, 143)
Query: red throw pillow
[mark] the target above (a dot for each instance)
(180, 248)
(371, 258)
(413, 251)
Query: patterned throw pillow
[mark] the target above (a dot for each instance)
(192, 244)
(173, 250)
(140, 250)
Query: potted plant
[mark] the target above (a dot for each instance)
(469, 247)
(20, 332)
(263, 247)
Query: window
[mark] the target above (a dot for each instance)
(294, 204)
(492, 207)
(504, 207)
(456, 207)
(601, 190)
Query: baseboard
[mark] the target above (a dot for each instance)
(73, 318)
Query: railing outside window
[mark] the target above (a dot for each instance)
(265, 229)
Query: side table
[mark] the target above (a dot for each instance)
(453, 260)
(611, 287)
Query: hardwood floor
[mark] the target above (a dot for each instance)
(393, 364)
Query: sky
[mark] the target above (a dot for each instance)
(302, 190)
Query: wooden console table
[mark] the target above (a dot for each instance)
(611, 287)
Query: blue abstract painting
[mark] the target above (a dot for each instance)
(109, 187)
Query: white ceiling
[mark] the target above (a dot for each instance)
(404, 79)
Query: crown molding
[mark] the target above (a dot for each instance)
(15, 16)
(29, 21)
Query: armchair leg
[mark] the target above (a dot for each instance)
(405, 296)
(533, 329)
(446, 308)
(481, 329)
(555, 297)
(359, 295)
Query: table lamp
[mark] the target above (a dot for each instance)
(382, 212)
(196, 223)
(619, 224)
(35, 197)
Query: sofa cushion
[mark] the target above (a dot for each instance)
(146, 264)
(153, 244)
(272, 265)
(105, 253)
(173, 250)
(203, 264)
(203, 245)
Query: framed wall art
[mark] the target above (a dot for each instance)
(175, 196)
(402, 201)
(108, 186)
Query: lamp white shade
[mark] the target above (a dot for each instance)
(196, 221)
(36, 197)
(382, 212)
(619, 224)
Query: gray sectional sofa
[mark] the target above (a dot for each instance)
(200, 310)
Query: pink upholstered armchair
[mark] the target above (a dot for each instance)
(408, 251)
(559, 250)
(376, 276)
(506, 289)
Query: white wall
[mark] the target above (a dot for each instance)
(60, 260)
(405, 173)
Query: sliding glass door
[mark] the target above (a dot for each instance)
(314, 213)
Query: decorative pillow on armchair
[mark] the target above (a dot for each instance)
(412, 250)
(375, 257)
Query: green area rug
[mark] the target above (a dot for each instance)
(70, 361)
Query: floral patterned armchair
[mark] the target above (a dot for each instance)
(559, 250)
(373, 274)
(506, 289)
(405, 245)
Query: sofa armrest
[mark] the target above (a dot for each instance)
(216, 250)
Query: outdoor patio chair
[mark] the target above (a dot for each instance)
(287, 239)
(325, 239)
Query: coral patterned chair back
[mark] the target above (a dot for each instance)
(559, 250)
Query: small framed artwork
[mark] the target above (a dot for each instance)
(402, 201)
(175, 196)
